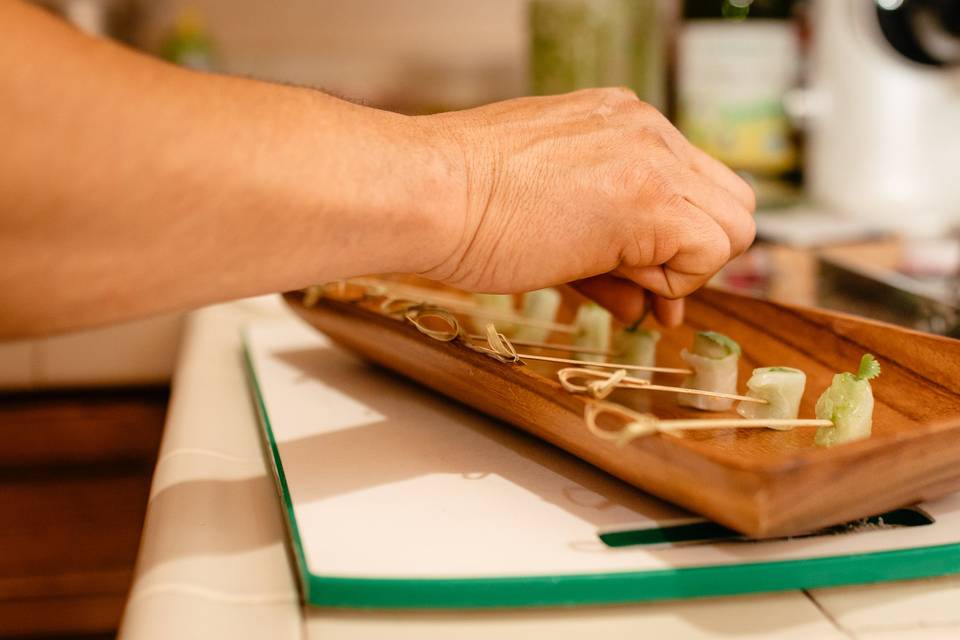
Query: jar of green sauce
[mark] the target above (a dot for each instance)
(577, 44)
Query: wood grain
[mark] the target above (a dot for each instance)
(75, 471)
(80, 428)
(761, 482)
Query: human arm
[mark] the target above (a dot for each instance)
(130, 187)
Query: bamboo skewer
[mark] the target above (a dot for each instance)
(638, 425)
(702, 392)
(753, 423)
(607, 365)
(555, 346)
(611, 381)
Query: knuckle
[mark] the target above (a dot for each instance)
(718, 249)
(621, 94)
(632, 182)
(585, 97)
(743, 231)
(628, 181)
(654, 186)
(705, 241)
(651, 114)
(673, 199)
(652, 140)
(749, 232)
(751, 197)
(659, 182)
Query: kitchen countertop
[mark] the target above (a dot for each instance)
(213, 560)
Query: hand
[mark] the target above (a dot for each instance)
(594, 187)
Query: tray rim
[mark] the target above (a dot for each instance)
(553, 590)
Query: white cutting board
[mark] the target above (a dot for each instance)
(387, 480)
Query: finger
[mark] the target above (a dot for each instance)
(625, 300)
(709, 167)
(694, 247)
(735, 219)
(668, 312)
(720, 174)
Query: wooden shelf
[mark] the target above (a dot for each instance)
(75, 473)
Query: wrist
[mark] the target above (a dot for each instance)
(376, 191)
(437, 212)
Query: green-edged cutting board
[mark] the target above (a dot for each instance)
(396, 497)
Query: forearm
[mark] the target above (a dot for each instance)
(129, 187)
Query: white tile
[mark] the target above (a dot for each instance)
(213, 559)
(770, 617)
(215, 525)
(930, 602)
(921, 633)
(212, 408)
(185, 613)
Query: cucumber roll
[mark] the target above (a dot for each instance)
(637, 347)
(592, 331)
(714, 360)
(540, 305)
(848, 403)
(781, 387)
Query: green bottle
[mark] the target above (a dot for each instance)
(578, 44)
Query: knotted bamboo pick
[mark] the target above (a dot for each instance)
(502, 346)
(416, 314)
(552, 346)
(645, 424)
(606, 365)
(604, 384)
(498, 346)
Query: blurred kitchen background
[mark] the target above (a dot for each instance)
(843, 114)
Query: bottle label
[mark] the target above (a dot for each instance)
(730, 88)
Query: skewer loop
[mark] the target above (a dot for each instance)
(416, 313)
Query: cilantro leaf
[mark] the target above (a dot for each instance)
(869, 368)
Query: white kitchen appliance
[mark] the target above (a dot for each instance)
(884, 112)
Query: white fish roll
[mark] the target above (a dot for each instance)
(637, 347)
(540, 305)
(499, 306)
(781, 387)
(714, 361)
(593, 331)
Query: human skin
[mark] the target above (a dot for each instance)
(130, 187)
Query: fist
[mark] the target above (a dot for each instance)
(593, 187)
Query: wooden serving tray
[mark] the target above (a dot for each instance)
(761, 482)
